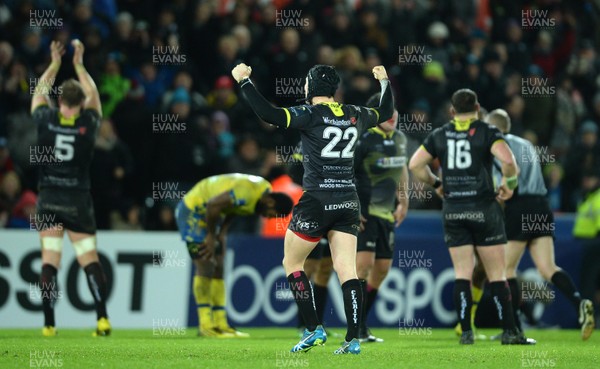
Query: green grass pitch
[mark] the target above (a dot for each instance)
(269, 348)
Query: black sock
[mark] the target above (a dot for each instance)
(503, 302)
(320, 300)
(463, 302)
(515, 295)
(352, 305)
(97, 284)
(49, 291)
(363, 312)
(303, 294)
(370, 299)
(565, 284)
(300, 320)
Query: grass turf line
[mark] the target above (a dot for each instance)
(269, 348)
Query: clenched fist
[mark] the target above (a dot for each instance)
(241, 71)
(379, 73)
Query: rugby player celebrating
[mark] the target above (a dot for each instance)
(329, 206)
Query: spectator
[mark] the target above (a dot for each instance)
(6, 162)
(23, 214)
(587, 231)
(111, 165)
(223, 96)
(248, 158)
(184, 80)
(584, 157)
(225, 141)
(151, 83)
(370, 32)
(122, 41)
(438, 33)
(163, 219)
(553, 175)
(11, 195)
(227, 55)
(129, 218)
(113, 86)
(341, 32)
(519, 57)
(540, 104)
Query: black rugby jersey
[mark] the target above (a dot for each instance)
(64, 148)
(380, 159)
(464, 152)
(328, 131)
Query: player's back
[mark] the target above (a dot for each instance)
(464, 149)
(245, 190)
(328, 143)
(531, 178)
(65, 148)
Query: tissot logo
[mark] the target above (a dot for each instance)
(344, 205)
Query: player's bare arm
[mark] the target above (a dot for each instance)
(224, 228)
(419, 166)
(510, 170)
(214, 209)
(402, 196)
(40, 95)
(92, 97)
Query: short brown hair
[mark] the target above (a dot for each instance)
(464, 101)
(499, 118)
(71, 93)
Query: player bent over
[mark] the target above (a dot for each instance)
(203, 218)
(529, 202)
(473, 218)
(64, 200)
(382, 185)
(329, 206)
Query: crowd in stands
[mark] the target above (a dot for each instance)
(172, 114)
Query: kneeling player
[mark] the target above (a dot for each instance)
(203, 218)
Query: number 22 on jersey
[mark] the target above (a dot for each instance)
(351, 133)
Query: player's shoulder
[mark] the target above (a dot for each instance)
(251, 179)
(481, 125)
(90, 117)
(358, 109)
(399, 136)
(441, 130)
(44, 111)
(516, 139)
(298, 110)
(369, 134)
(90, 112)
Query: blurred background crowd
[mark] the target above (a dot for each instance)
(173, 115)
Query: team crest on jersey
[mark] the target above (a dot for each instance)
(352, 120)
(471, 131)
(82, 130)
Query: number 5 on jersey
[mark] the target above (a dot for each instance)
(351, 133)
(459, 154)
(64, 149)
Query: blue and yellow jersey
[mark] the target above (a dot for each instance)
(245, 191)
